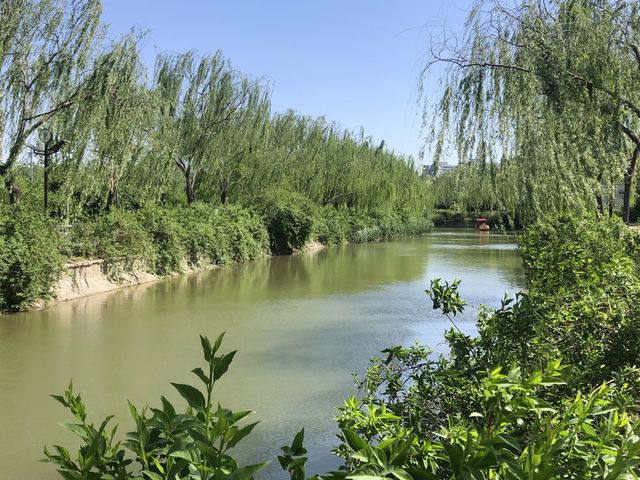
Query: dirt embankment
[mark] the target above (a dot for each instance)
(89, 277)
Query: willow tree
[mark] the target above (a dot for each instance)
(198, 99)
(549, 86)
(120, 113)
(47, 54)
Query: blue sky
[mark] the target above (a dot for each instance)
(356, 62)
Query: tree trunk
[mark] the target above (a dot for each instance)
(13, 189)
(190, 181)
(600, 204)
(628, 182)
(112, 198)
(224, 191)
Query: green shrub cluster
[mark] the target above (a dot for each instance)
(165, 240)
(30, 262)
(223, 234)
(290, 219)
(378, 226)
(547, 389)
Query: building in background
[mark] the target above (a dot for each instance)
(435, 170)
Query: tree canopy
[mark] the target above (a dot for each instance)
(546, 90)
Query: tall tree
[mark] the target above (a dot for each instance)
(550, 85)
(199, 98)
(45, 68)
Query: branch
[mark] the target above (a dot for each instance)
(629, 133)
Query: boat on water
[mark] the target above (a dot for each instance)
(482, 225)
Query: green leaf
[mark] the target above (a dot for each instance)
(354, 441)
(206, 348)
(218, 342)
(298, 441)
(201, 375)
(192, 395)
(245, 473)
(152, 475)
(240, 434)
(221, 365)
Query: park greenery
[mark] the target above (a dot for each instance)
(541, 104)
(183, 166)
(546, 389)
(187, 165)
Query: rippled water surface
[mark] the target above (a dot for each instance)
(302, 325)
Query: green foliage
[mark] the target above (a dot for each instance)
(289, 218)
(120, 240)
(515, 433)
(583, 286)
(222, 235)
(30, 262)
(194, 445)
(459, 416)
(541, 105)
(167, 234)
(332, 226)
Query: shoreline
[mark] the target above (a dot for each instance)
(86, 278)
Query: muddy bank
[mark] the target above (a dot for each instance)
(90, 277)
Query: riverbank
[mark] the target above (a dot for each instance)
(91, 277)
(43, 263)
(456, 219)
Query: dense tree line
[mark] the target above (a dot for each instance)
(182, 166)
(192, 130)
(542, 97)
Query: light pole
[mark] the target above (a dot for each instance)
(46, 137)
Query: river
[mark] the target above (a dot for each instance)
(302, 325)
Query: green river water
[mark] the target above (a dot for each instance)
(302, 325)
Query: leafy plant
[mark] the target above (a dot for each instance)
(165, 445)
(30, 262)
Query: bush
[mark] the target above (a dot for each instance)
(582, 299)
(248, 235)
(224, 234)
(167, 236)
(289, 218)
(30, 262)
(192, 445)
(122, 242)
(332, 226)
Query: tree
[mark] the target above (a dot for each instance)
(47, 52)
(550, 87)
(198, 101)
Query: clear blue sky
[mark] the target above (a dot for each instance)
(356, 62)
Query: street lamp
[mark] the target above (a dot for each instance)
(46, 137)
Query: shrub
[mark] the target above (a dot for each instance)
(331, 226)
(249, 238)
(167, 237)
(30, 262)
(289, 218)
(165, 444)
(122, 242)
(222, 235)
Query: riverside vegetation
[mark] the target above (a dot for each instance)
(547, 389)
(185, 165)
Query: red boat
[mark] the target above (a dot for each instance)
(481, 224)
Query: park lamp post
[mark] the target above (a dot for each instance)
(49, 148)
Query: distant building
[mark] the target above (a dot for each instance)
(434, 171)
